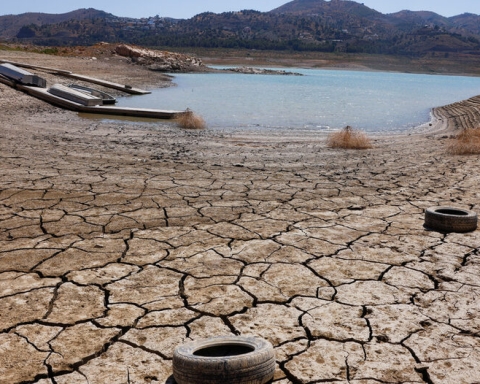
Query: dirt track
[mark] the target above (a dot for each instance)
(119, 241)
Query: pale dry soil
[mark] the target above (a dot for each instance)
(120, 241)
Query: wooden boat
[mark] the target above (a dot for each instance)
(106, 98)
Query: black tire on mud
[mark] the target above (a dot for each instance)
(448, 219)
(222, 360)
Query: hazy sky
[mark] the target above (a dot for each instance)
(189, 8)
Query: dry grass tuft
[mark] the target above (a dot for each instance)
(466, 143)
(348, 138)
(190, 120)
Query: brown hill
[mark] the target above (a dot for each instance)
(321, 7)
(467, 23)
(10, 25)
(313, 25)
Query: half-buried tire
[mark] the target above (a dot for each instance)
(448, 219)
(222, 360)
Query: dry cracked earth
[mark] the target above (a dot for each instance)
(120, 241)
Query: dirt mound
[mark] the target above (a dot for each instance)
(160, 60)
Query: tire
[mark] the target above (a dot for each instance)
(222, 360)
(448, 219)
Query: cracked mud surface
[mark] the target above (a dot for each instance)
(119, 242)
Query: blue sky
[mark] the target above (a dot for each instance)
(189, 8)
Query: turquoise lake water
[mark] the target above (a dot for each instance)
(319, 100)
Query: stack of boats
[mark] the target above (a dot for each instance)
(73, 92)
(76, 97)
(82, 95)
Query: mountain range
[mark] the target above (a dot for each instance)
(313, 25)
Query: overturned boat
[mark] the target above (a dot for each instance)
(107, 99)
(22, 76)
(75, 100)
(78, 97)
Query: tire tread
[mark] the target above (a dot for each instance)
(256, 367)
(450, 223)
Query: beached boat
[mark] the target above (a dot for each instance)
(21, 76)
(106, 98)
(78, 97)
(75, 100)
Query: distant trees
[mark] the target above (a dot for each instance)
(26, 32)
(250, 29)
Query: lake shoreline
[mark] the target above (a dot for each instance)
(370, 62)
(443, 119)
(320, 100)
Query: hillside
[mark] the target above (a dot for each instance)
(300, 25)
(322, 7)
(10, 25)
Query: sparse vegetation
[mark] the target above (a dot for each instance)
(333, 27)
(48, 51)
(466, 143)
(349, 138)
(8, 47)
(190, 120)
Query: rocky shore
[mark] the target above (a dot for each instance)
(262, 71)
(161, 61)
(171, 62)
(120, 240)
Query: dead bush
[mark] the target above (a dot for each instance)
(349, 138)
(190, 120)
(465, 143)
